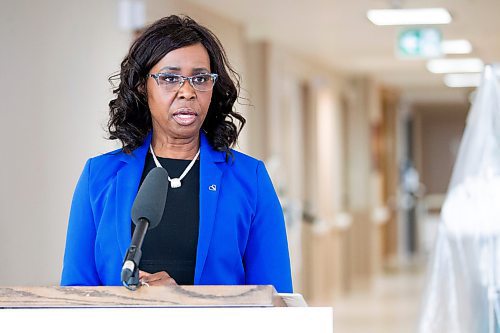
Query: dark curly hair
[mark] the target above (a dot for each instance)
(130, 117)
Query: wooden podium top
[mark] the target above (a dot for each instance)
(170, 296)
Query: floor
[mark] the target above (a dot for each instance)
(390, 305)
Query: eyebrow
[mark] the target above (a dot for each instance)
(200, 69)
(176, 68)
(171, 68)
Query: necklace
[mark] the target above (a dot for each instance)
(175, 182)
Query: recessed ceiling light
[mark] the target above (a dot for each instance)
(456, 46)
(462, 80)
(466, 65)
(409, 16)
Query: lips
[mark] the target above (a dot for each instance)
(185, 116)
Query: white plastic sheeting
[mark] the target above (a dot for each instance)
(464, 277)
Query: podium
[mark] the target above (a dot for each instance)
(179, 308)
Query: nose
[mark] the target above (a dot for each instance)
(186, 91)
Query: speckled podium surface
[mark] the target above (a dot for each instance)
(182, 308)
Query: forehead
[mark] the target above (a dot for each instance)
(185, 58)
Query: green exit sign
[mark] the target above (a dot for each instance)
(419, 43)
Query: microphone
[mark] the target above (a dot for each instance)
(147, 211)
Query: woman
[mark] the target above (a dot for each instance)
(222, 223)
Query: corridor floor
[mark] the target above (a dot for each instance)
(390, 305)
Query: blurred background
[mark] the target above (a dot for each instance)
(357, 122)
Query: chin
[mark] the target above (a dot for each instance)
(187, 132)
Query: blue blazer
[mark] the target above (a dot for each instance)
(242, 236)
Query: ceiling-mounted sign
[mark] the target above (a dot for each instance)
(419, 43)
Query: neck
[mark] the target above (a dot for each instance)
(182, 149)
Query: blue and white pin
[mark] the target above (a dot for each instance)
(212, 187)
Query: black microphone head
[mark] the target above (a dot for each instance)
(150, 200)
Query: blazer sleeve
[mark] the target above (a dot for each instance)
(79, 267)
(266, 257)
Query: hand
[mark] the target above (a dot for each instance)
(157, 279)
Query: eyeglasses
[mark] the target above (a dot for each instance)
(173, 82)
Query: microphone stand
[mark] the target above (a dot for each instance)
(130, 270)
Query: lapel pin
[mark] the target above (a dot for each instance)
(212, 187)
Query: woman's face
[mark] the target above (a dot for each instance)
(180, 114)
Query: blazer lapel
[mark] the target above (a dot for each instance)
(127, 185)
(212, 165)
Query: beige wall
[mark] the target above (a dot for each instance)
(54, 62)
(363, 182)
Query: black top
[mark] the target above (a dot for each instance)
(171, 246)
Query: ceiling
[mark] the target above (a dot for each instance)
(338, 34)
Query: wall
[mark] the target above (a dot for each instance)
(55, 60)
(438, 130)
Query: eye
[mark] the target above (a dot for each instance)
(169, 78)
(202, 78)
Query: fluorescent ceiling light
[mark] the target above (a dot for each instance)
(466, 65)
(456, 46)
(409, 16)
(462, 80)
